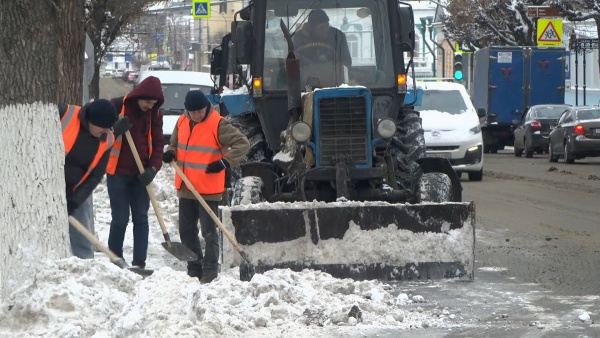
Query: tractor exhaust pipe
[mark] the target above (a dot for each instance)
(292, 70)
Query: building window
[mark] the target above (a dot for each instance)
(353, 45)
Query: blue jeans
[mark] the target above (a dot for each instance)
(127, 192)
(80, 246)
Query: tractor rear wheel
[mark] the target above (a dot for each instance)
(249, 125)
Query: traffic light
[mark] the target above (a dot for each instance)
(458, 66)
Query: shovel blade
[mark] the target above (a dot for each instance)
(180, 251)
(247, 271)
(141, 271)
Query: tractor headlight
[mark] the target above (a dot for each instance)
(301, 131)
(386, 128)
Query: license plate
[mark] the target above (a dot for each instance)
(440, 155)
(597, 131)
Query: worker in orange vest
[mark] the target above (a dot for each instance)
(204, 145)
(87, 138)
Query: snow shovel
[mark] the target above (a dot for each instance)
(176, 249)
(116, 260)
(246, 267)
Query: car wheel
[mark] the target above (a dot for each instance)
(476, 176)
(528, 150)
(551, 156)
(568, 156)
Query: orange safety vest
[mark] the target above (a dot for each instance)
(71, 125)
(111, 167)
(196, 148)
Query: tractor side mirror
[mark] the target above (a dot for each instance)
(407, 27)
(481, 112)
(216, 61)
(243, 41)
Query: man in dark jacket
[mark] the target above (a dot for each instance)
(87, 138)
(126, 185)
(322, 49)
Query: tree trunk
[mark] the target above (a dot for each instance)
(95, 85)
(41, 62)
(597, 21)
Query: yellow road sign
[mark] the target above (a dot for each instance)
(549, 32)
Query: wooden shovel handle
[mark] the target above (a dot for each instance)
(87, 234)
(206, 207)
(138, 161)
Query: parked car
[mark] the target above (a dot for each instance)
(532, 130)
(132, 77)
(577, 134)
(175, 85)
(452, 128)
(117, 74)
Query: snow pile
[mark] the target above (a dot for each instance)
(75, 298)
(241, 90)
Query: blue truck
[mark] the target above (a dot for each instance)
(508, 80)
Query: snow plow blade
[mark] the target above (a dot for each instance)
(359, 240)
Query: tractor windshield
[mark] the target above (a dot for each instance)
(337, 42)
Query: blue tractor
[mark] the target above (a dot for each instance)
(320, 88)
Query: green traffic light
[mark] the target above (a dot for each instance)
(458, 74)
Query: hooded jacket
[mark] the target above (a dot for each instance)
(79, 158)
(150, 89)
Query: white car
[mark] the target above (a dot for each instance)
(117, 74)
(451, 127)
(175, 85)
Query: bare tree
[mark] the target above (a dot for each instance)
(41, 62)
(580, 10)
(481, 23)
(105, 20)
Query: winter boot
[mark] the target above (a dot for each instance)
(195, 273)
(209, 274)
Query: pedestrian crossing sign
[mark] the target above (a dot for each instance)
(549, 32)
(201, 9)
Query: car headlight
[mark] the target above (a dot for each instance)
(475, 130)
(301, 131)
(386, 128)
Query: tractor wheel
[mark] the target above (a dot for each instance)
(249, 125)
(248, 190)
(435, 187)
(409, 145)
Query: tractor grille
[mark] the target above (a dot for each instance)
(343, 129)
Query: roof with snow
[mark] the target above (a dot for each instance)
(179, 77)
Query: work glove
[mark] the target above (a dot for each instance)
(147, 176)
(168, 156)
(216, 166)
(121, 126)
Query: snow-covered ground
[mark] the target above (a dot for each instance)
(76, 298)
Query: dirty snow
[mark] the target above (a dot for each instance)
(76, 298)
